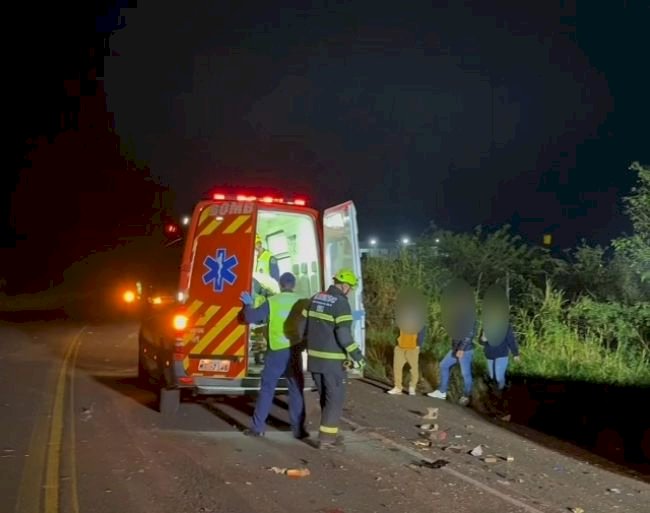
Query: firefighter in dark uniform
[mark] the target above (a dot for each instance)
(326, 326)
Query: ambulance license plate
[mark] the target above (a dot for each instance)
(214, 365)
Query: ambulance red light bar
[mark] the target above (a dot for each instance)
(262, 199)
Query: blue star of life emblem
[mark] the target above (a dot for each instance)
(220, 270)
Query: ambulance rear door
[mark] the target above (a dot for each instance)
(217, 344)
(341, 249)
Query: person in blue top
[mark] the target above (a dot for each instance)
(283, 356)
(497, 356)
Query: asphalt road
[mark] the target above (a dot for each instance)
(78, 435)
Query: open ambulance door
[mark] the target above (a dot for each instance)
(217, 341)
(341, 249)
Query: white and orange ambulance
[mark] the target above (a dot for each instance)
(198, 342)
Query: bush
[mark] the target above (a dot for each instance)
(596, 328)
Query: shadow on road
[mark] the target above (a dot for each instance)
(611, 422)
(236, 411)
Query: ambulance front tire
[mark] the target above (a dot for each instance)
(169, 401)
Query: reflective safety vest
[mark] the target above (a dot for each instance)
(280, 307)
(264, 262)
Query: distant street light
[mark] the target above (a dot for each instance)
(373, 242)
(405, 241)
(437, 241)
(186, 220)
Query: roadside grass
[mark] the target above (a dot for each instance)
(559, 353)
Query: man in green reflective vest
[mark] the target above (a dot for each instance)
(327, 326)
(266, 274)
(283, 356)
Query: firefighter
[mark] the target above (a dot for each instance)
(283, 356)
(326, 326)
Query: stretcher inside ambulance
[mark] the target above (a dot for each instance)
(238, 243)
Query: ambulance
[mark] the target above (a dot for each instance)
(197, 344)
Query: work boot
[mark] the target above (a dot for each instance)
(329, 443)
(302, 434)
(437, 394)
(250, 432)
(412, 391)
(395, 391)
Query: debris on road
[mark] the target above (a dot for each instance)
(434, 465)
(438, 436)
(456, 448)
(87, 413)
(507, 458)
(429, 427)
(506, 418)
(422, 443)
(614, 490)
(490, 459)
(477, 451)
(432, 414)
(576, 510)
(291, 472)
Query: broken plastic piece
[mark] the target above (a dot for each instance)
(432, 414)
(477, 451)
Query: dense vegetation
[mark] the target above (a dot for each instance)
(585, 316)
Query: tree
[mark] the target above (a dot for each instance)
(637, 246)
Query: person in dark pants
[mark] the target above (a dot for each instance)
(497, 357)
(326, 326)
(283, 357)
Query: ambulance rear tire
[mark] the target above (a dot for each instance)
(169, 401)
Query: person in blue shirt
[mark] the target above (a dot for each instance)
(497, 356)
(283, 356)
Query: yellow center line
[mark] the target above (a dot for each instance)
(52, 470)
(73, 436)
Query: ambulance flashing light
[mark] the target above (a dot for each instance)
(263, 199)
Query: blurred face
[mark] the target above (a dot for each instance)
(259, 248)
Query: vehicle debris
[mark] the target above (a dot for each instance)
(422, 443)
(290, 472)
(429, 427)
(434, 465)
(576, 510)
(438, 436)
(477, 451)
(432, 414)
(456, 448)
(490, 459)
(506, 457)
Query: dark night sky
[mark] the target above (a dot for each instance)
(392, 108)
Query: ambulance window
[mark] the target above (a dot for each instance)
(292, 240)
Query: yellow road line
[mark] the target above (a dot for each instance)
(74, 495)
(29, 491)
(52, 470)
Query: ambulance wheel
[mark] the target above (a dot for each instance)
(169, 400)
